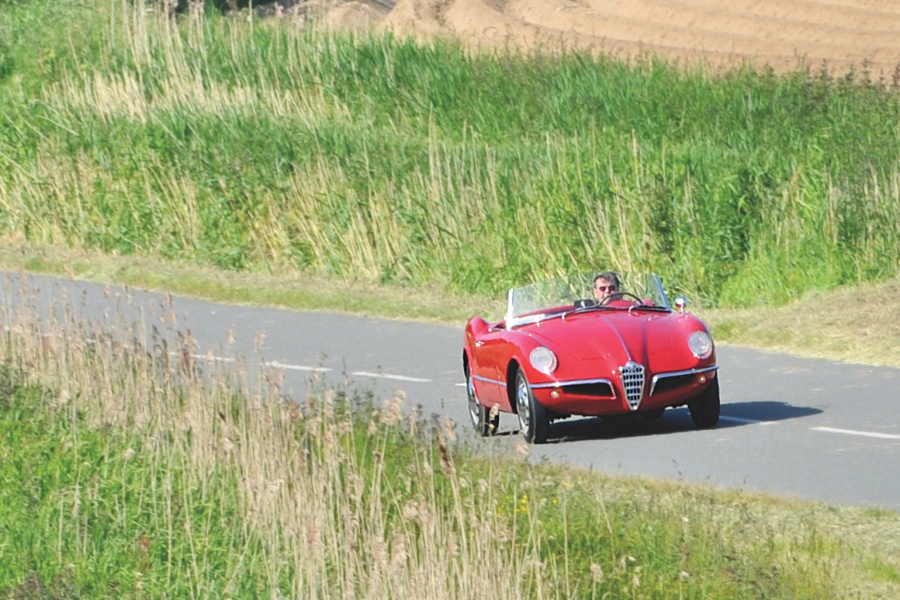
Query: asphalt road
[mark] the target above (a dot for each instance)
(805, 428)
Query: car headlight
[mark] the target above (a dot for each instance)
(700, 344)
(543, 360)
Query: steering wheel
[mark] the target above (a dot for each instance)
(619, 296)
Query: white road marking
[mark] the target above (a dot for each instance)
(386, 376)
(206, 357)
(872, 434)
(747, 421)
(287, 367)
(305, 368)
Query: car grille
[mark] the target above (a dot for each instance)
(633, 382)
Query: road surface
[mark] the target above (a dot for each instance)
(805, 428)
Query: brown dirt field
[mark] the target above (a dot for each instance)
(783, 34)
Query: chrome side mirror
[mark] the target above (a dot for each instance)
(680, 303)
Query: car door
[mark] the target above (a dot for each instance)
(492, 353)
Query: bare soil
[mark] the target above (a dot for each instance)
(840, 35)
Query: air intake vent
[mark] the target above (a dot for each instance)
(633, 382)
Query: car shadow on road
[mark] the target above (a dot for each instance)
(676, 420)
(763, 412)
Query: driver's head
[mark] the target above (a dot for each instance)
(605, 284)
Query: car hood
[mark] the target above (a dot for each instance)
(620, 335)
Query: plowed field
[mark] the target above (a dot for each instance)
(784, 34)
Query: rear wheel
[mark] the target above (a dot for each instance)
(705, 406)
(480, 415)
(534, 419)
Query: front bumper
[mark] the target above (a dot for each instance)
(606, 396)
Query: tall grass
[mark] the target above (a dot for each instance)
(148, 471)
(134, 464)
(263, 145)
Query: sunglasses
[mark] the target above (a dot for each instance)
(604, 288)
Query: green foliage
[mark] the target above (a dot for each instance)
(94, 512)
(251, 147)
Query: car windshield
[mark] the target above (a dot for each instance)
(545, 299)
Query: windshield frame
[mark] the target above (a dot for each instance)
(559, 296)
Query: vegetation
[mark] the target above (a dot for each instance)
(262, 163)
(132, 467)
(266, 147)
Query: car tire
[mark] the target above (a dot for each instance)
(480, 415)
(705, 406)
(534, 420)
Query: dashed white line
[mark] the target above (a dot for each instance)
(287, 367)
(387, 376)
(871, 434)
(305, 368)
(747, 421)
(206, 357)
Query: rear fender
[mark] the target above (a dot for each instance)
(474, 328)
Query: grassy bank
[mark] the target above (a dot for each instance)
(851, 324)
(133, 468)
(268, 147)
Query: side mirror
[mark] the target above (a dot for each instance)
(680, 303)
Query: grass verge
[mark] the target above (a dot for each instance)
(856, 324)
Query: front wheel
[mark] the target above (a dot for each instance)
(705, 406)
(534, 420)
(484, 423)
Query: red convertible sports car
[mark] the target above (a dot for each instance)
(558, 352)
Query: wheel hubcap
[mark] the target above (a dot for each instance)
(474, 406)
(524, 406)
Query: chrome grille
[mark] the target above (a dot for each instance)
(633, 382)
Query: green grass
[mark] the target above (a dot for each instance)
(272, 148)
(130, 473)
(272, 165)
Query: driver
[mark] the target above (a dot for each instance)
(606, 286)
